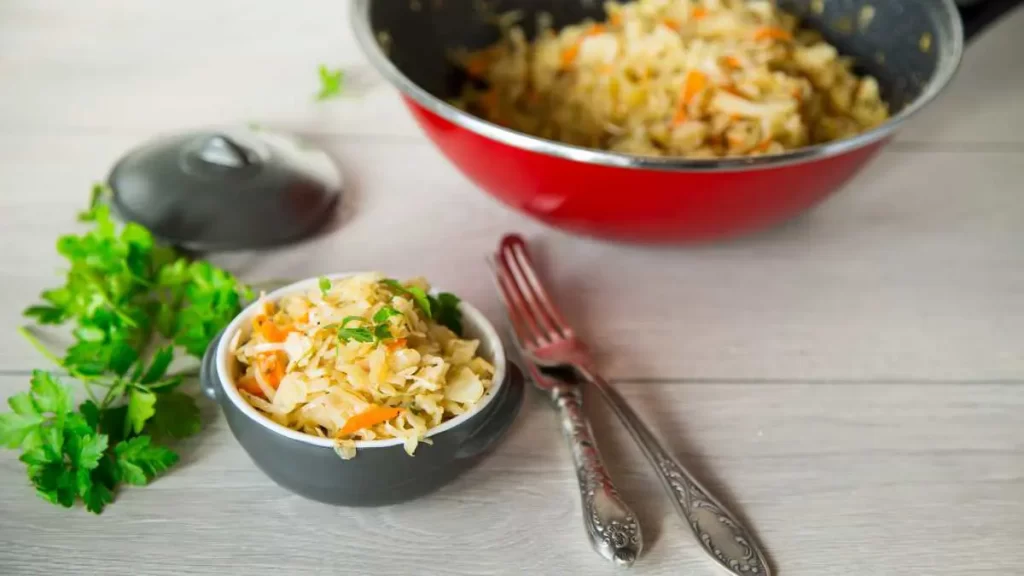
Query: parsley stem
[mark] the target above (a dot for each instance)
(111, 395)
(89, 392)
(53, 358)
(39, 346)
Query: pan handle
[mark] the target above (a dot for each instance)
(978, 16)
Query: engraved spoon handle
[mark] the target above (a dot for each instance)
(716, 528)
(611, 526)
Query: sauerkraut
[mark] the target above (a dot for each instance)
(361, 358)
(680, 78)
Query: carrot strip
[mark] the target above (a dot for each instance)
(732, 62)
(772, 33)
(395, 344)
(369, 417)
(732, 89)
(272, 332)
(272, 368)
(477, 66)
(764, 145)
(248, 383)
(569, 54)
(699, 12)
(695, 83)
(672, 23)
(616, 19)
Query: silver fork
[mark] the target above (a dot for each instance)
(611, 526)
(549, 341)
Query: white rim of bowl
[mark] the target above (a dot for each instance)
(470, 315)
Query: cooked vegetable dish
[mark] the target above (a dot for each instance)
(679, 78)
(361, 358)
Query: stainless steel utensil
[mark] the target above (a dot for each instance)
(611, 526)
(548, 340)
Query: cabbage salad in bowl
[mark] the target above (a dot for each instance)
(361, 358)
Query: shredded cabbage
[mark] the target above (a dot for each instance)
(684, 78)
(358, 359)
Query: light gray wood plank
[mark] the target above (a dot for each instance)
(914, 272)
(152, 66)
(876, 479)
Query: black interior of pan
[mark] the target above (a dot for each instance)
(889, 47)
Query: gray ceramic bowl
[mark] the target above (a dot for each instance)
(381, 473)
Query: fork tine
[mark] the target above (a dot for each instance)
(529, 298)
(527, 327)
(515, 245)
(522, 332)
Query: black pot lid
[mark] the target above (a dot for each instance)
(228, 189)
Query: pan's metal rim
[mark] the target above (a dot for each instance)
(366, 37)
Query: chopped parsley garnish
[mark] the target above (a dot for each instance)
(331, 82)
(443, 308)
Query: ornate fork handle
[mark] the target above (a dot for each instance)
(717, 529)
(611, 525)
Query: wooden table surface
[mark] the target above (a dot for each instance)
(852, 383)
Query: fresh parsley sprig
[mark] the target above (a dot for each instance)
(331, 82)
(368, 331)
(443, 308)
(122, 294)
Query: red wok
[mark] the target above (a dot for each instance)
(645, 199)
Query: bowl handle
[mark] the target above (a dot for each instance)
(208, 368)
(503, 413)
(980, 15)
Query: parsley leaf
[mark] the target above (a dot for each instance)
(330, 82)
(444, 308)
(138, 462)
(447, 312)
(382, 332)
(357, 334)
(122, 291)
(384, 314)
(96, 494)
(176, 416)
(95, 197)
(418, 295)
(20, 428)
(374, 331)
(158, 365)
(141, 407)
(48, 394)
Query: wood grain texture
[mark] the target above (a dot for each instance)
(146, 66)
(914, 272)
(880, 479)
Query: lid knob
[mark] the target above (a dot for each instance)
(223, 151)
(226, 189)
